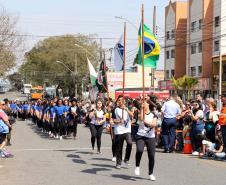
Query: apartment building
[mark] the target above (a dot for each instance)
(175, 39)
(204, 22)
(219, 44)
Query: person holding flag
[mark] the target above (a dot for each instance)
(122, 130)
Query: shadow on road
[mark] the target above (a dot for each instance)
(126, 177)
(73, 156)
(80, 161)
(104, 165)
(101, 159)
(95, 170)
(83, 152)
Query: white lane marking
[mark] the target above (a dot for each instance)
(56, 149)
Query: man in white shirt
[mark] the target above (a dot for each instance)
(170, 111)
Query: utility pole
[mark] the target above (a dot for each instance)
(220, 80)
(101, 52)
(154, 32)
(75, 75)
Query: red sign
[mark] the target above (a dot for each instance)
(134, 94)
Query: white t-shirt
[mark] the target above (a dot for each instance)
(200, 114)
(99, 116)
(122, 128)
(74, 109)
(144, 130)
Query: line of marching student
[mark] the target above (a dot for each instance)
(195, 126)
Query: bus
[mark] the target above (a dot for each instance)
(36, 93)
(27, 88)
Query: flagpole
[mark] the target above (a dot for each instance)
(142, 27)
(124, 61)
(106, 77)
(124, 68)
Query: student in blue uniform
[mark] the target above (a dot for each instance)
(25, 110)
(14, 109)
(59, 117)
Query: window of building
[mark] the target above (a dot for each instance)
(167, 74)
(224, 73)
(200, 24)
(173, 34)
(193, 24)
(199, 70)
(167, 55)
(193, 71)
(172, 53)
(200, 47)
(217, 21)
(216, 45)
(172, 73)
(168, 35)
(193, 48)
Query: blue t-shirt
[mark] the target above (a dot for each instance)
(14, 107)
(59, 110)
(25, 107)
(51, 111)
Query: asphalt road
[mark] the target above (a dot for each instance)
(39, 160)
(42, 161)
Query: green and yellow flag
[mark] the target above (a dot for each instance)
(151, 48)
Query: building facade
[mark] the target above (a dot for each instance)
(200, 28)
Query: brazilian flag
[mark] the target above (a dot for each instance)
(151, 48)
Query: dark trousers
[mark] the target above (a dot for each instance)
(61, 123)
(119, 140)
(96, 132)
(150, 144)
(223, 130)
(169, 132)
(113, 147)
(72, 127)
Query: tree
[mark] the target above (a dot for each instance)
(9, 41)
(183, 85)
(15, 80)
(41, 66)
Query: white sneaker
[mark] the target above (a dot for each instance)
(137, 171)
(152, 177)
(113, 159)
(61, 137)
(195, 153)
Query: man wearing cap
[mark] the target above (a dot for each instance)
(222, 119)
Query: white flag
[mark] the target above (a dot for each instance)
(119, 54)
(93, 73)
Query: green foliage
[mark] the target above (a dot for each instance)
(9, 41)
(184, 84)
(15, 80)
(41, 67)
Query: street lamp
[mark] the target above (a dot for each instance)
(74, 74)
(85, 50)
(125, 19)
(59, 62)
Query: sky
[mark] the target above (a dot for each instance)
(42, 18)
